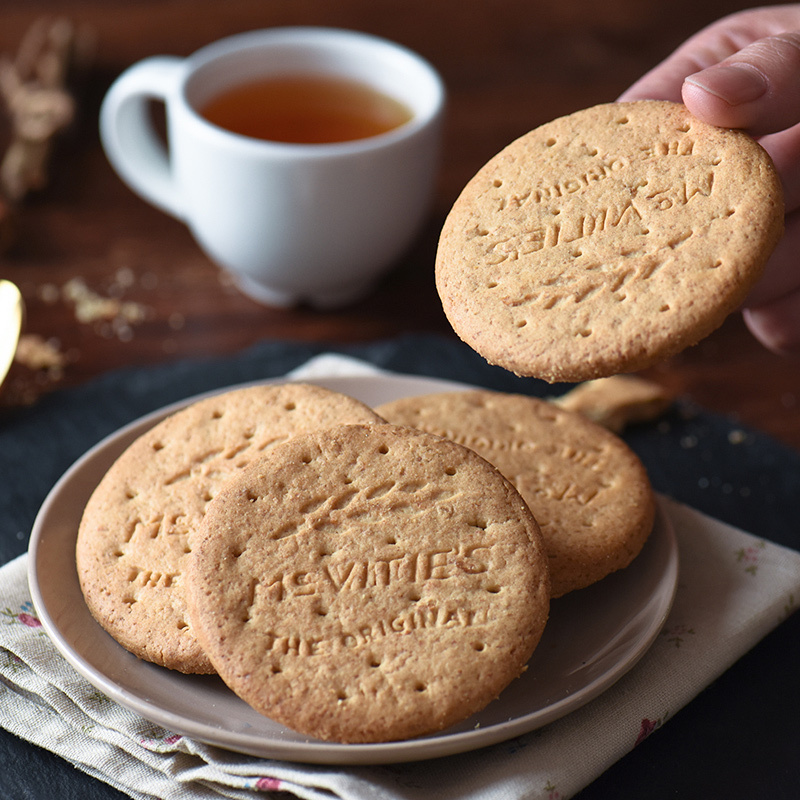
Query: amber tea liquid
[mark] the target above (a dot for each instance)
(305, 110)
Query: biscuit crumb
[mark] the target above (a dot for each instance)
(36, 353)
(91, 306)
(618, 401)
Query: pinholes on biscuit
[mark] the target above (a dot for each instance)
(134, 537)
(587, 490)
(607, 240)
(368, 583)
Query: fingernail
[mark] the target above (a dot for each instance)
(734, 84)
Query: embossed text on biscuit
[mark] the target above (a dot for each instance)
(552, 233)
(560, 188)
(349, 575)
(424, 617)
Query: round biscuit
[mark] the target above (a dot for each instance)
(368, 583)
(607, 240)
(134, 536)
(588, 491)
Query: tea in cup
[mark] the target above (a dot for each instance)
(303, 109)
(303, 160)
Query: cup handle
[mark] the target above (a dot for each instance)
(128, 136)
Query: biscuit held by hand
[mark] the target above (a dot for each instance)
(607, 240)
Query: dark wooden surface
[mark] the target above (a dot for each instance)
(508, 65)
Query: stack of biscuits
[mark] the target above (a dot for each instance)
(357, 574)
(368, 574)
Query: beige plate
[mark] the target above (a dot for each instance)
(594, 636)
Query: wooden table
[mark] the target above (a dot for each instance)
(508, 65)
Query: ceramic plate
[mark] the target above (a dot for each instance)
(592, 638)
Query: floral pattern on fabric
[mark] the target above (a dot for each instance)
(648, 726)
(749, 557)
(268, 784)
(552, 791)
(25, 616)
(676, 634)
(160, 741)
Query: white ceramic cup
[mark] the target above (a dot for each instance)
(292, 223)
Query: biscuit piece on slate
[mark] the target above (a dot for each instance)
(369, 583)
(607, 240)
(134, 537)
(587, 489)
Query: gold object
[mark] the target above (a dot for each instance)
(11, 313)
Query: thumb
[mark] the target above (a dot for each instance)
(757, 88)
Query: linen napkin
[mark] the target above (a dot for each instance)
(733, 589)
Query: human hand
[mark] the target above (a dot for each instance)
(743, 71)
